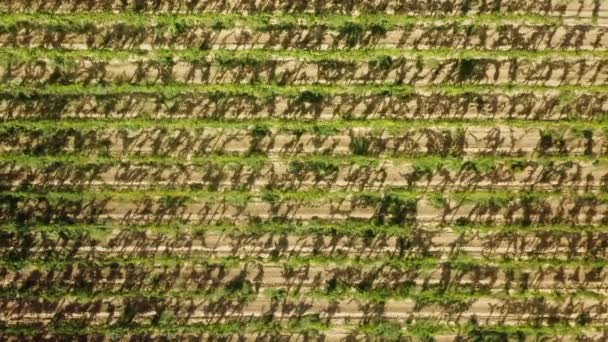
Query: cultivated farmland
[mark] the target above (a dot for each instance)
(335, 170)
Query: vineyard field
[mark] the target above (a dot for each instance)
(323, 170)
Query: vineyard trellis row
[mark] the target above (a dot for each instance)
(330, 170)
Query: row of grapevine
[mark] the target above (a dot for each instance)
(304, 170)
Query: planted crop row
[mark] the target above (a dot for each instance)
(149, 138)
(302, 104)
(586, 8)
(240, 207)
(257, 173)
(354, 229)
(524, 280)
(213, 33)
(336, 281)
(81, 22)
(265, 91)
(383, 70)
(404, 243)
(105, 273)
(362, 197)
(253, 57)
(305, 327)
(458, 309)
(245, 293)
(299, 239)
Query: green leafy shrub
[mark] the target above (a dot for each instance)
(393, 209)
(271, 197)
(308, 96)
(466, 69)
(382, 63)
(351, 33)
(383, 330)
(260, 131)
(360, 145)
